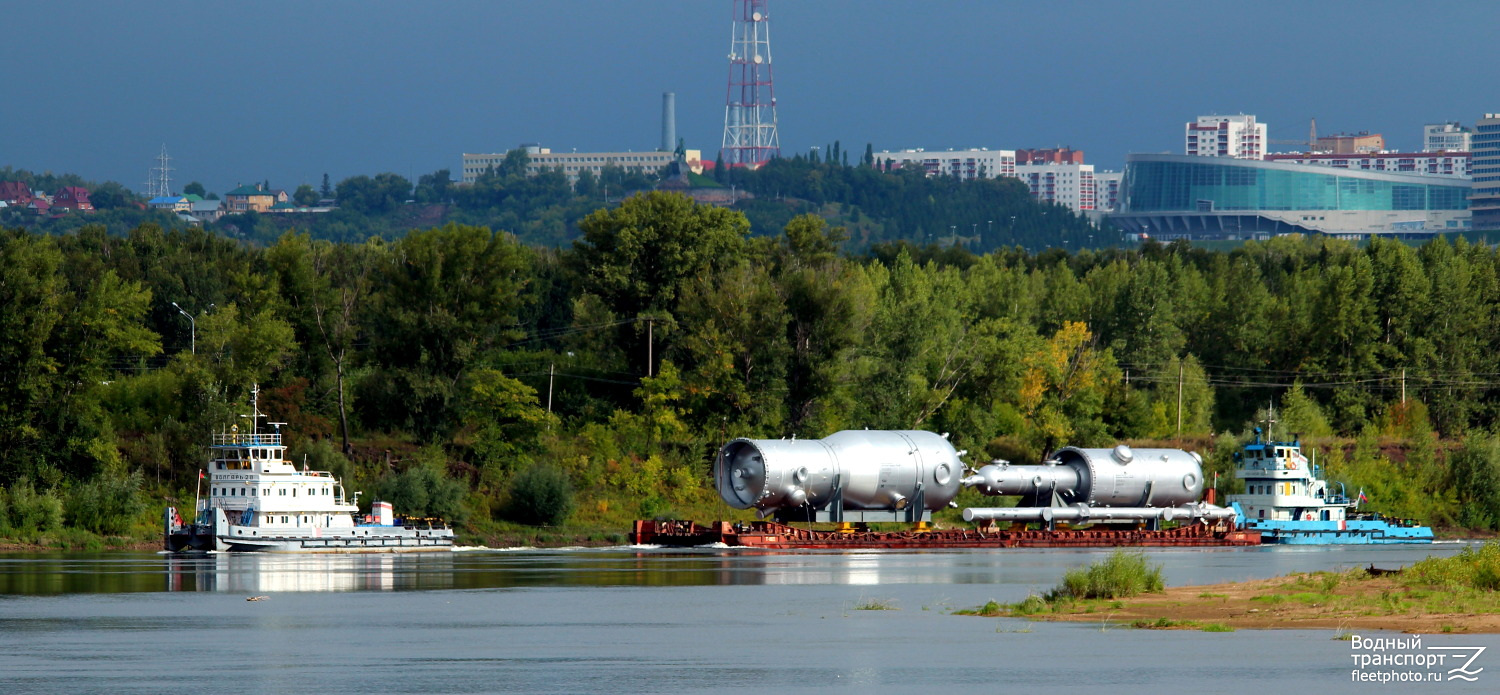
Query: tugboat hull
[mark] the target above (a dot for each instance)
(1352, 532)
(186, 538)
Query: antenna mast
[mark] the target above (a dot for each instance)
(750, 106)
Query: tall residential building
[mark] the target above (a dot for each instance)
(1434, 163)
(963, 164)
(1239, 136)
(1485, 200)
(1447, 137)
(1107, 190)
(1069, 185)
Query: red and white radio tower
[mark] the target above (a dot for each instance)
(750, 107)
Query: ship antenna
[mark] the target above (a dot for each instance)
(255, 415)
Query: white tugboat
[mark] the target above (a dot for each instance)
(1287, 500)
(258, 501)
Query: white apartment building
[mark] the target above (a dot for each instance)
(1238, 136)
(964, 164)
(1070, 185)
(1447, 137)
(1432, 163)
(572, 163)
(1107, 190)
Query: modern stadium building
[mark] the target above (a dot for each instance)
(1166, 196)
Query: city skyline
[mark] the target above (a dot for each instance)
(290, 91)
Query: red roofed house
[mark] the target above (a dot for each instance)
(15, 193)
(73, 197)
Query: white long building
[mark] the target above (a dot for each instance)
(1432, 163)
(571, 163)
(1071, 185)
(963, 164)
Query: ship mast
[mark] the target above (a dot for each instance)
(1270, 421)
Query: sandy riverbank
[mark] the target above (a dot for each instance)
(1348, 602)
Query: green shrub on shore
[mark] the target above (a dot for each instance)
(108, 504)
(1472, 568)
(29, 511)
(541, 495)
(1120, 575)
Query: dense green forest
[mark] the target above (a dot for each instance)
(461, 372)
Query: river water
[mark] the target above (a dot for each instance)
(637, 620)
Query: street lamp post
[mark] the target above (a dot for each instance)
(193, 326)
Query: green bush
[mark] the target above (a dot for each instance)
(1031, 606)
(425, 490)
(33, 511)
(323, 455)
(1471, 568)
(1121, 574)
(107, 504)
(541, 496)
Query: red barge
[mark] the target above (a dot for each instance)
(770, 535)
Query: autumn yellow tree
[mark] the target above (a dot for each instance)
(1062, 389)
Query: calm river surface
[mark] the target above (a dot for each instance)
(625, 620)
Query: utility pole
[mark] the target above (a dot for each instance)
(1403, 386)
(551, 369)
(651, 346)
(1179, 399)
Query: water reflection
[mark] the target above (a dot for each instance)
(1022, 570)
(265, 574)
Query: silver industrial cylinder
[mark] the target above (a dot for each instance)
(876, 469)
(1118, 477)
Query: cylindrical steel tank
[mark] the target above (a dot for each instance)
(1082, 513)
(877, 469)
(1118, 477)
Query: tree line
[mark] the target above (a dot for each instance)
(461, 372)
(876, 205)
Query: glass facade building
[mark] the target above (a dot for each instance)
(1205, 184)
(1193, 196)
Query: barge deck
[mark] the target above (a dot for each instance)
(775, 536)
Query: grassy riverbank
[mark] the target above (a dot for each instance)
(1454, 594)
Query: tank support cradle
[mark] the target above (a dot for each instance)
(913, 512)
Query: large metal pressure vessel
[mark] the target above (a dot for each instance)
(1118, 477)
(875, 469)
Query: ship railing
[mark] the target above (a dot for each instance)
(245, 439)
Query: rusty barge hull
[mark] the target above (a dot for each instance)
(774, 536)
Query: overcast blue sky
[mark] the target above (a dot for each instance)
(287, 91)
